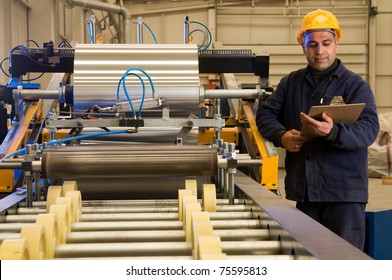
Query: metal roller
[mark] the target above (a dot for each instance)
(111, 207)
(129, 163)
(123, 249)
(170, 225)
(161, 248)
(13, 227)
(160, 235)
(173, 68)
(126, 236)
(127, 147)
(155, 216)
(9, 235)
(152, 203)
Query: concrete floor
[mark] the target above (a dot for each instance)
(380, 195)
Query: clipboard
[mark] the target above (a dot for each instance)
(345, 113)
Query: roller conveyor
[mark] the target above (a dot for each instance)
(151, 229)
(115, 230)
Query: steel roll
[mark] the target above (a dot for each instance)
(173, 68)
(129, 163)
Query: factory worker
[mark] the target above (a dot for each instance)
(326, 160)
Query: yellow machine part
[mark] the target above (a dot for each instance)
(6, 180)
(228, 134)
(60, 134)
(34, 113)
(269, 169)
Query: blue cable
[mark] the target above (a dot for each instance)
(209, 32)
(204, 40)
(148, 76)
(126, 92)
(129, 99)
(152, 33)
(67, 140)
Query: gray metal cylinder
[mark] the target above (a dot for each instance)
(180, 161)
(173, 68)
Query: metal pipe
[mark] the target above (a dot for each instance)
(231, 93)
(29, 178)
(32, 94)
(37, 186)
(230, 186)
(223, 163)
(36, 165)
(231, 155)
(186, 30)
(11, 165)
(108, 8)
(132, 149)
(139, 30)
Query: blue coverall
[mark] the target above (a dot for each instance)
(330, 169)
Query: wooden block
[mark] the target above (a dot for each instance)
(69, 186)
(54, 192)
(209, 245)
(209, 198)
(189, 208)
(181, 194)
(191, 185)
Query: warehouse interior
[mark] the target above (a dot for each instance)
(128, 129)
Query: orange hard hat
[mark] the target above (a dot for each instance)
(319, 19)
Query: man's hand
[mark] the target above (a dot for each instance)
(314, 128)
(292, 140)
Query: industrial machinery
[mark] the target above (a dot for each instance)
(125, 155)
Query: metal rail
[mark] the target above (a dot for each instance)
(316, 239)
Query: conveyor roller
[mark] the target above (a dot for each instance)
(142, 162)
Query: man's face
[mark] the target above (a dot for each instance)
(320, 49)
